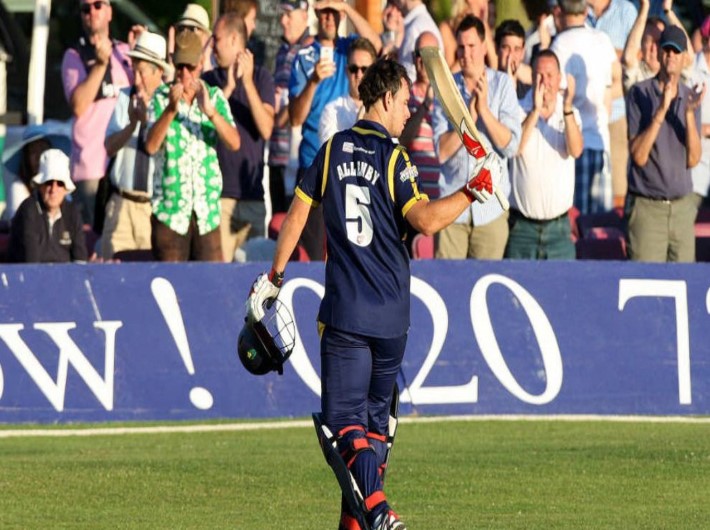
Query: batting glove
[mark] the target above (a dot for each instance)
(487, 175)
(263, 292)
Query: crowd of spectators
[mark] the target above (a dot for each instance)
(598, 108)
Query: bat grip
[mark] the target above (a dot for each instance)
(502, 200)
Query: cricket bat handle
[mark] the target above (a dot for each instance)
(502, 200)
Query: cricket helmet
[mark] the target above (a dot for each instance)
(265, 345)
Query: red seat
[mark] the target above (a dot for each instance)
(277, 220)
(4, 245)
(300, 254)
(422, 247)
(612, 219)
(573, 216)
(602, 242)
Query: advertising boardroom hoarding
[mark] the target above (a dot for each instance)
(138, 341)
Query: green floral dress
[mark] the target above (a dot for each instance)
(187, 174)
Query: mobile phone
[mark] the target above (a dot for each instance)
(326, 53)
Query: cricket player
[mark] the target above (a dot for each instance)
(369, 191)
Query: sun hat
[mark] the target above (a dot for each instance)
(152, 48)
(54, 165)
(188, 48)
(195, 16)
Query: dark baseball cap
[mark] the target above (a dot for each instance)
(674, 37)
(290, 5)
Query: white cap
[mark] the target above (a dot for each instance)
(195, 16)
(54, 165)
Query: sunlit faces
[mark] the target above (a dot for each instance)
(549, 71)
(470, 51)
(328, 22)
(649, 45)
(359, 61)
(512, 48)
(671, 60)
(53, 193)
(188, 76)
(147, 76)
(250, 21)
(293, 23)
(95, 15)
(225, 45)
(400, 109)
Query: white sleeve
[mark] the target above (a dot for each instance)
(328, 124)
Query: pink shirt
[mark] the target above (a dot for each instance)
(88, 156)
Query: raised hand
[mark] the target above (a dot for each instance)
(696, 97)
(538, 94)
(245, 65)
(480, 89)
(569, 92)
(204, 101)
(103, 49)
(670, 91)
(177, 90)
(323, 70)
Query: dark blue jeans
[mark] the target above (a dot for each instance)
(532, 239)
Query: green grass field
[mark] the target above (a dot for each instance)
(450, 475)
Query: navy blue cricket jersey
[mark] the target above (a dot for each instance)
(366, 184)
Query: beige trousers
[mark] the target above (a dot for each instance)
(461, 241)
(126, 226)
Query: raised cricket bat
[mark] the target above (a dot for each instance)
(456, 111)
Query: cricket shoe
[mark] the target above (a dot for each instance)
(388, 520)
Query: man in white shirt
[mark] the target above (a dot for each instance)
(481, 232)
(343, 112)
(589, 56)
(128, 211)
(543, 171)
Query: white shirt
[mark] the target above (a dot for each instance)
(123, 167)
(16, 195)
(338, 115)
(543, 174)
(701, 172)
(417, 21)
(587, 54)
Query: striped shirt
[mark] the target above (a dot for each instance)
(421, 149)
(279, 145)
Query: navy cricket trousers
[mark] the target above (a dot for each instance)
(358, 374)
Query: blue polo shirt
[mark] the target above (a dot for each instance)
(328, 90)
(666, 174)
(366, 184)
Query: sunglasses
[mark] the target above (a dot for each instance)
(51, 183)
(86, 8)
(353, 68)
(189, 67)
(416, 54)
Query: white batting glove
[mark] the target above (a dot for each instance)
(484, 182)
(263, 292)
